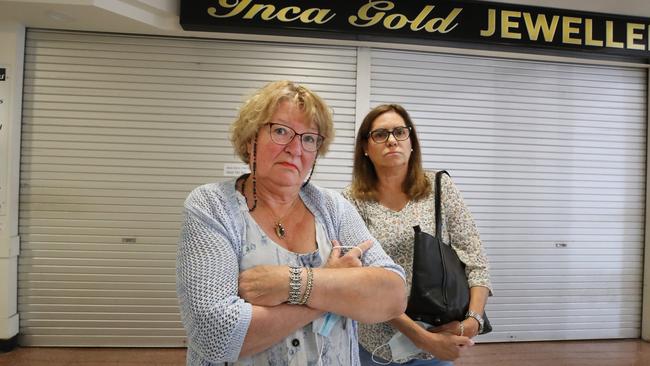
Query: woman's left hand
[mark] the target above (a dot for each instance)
(264, 285)
(349, 259)
(470, 327)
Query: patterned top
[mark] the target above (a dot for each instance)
(216, 243)
(305, 345)
(394, 230)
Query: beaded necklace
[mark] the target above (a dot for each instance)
(278, 227)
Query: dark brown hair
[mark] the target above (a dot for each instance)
(364, 176)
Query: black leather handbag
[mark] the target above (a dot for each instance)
(439, 289)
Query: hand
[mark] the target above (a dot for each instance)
(351, 259)
(264, 285)
(443, 345)
(449, 328)
(470, 327)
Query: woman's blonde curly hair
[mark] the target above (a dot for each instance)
(258, 109)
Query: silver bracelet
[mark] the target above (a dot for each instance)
(478, 317)
(308, 287)
(295, 283)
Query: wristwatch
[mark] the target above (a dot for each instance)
(478, 317)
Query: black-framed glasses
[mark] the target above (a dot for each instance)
(283, 135)
(381, 135)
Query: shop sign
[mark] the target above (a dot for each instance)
(424, 22)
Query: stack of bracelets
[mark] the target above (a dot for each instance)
(295, 285)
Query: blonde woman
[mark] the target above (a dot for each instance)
(271, 269)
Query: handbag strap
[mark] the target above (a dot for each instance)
(438, 218)
(438, 204)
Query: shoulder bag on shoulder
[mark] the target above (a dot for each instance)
(439, 290)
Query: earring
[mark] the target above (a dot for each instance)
(254, 176)
(366, 154)
(411, 150)
(313, 167)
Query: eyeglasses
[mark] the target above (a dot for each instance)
(381, 135)
(283, 135)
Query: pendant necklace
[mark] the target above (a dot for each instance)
(280, 230)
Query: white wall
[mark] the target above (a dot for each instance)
(12, 41)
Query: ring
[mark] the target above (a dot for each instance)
(360, 251)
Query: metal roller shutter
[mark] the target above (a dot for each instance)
(118, 129)
(551, 160)
(116, 132)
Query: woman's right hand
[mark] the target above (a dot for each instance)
(443, 345)
(351, 258)
(264, 285)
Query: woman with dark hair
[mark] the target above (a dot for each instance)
(393, 193)
(271, 269)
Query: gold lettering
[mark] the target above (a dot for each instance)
(321, 16)
(568, 29)
(370, 20)
(506, 24)
(633, 36)
(267, 11)
(401, 21)
(283, 16)
(541, 24)
(236, 7)
(609, 36)
(589, 34)
(415, 25)
(491, 24)
(440, 25)
(373, 12)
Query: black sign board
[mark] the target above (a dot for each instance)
(3, 74)
(425, 22)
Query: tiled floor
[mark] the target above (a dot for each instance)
(568, 353)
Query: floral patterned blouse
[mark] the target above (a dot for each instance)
(394, 230)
